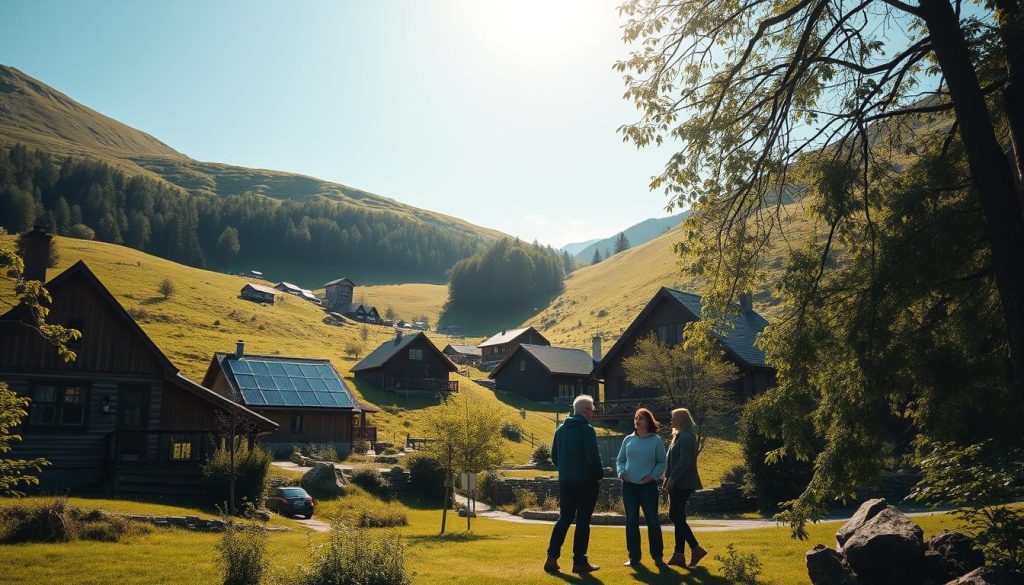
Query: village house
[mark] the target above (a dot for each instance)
(499, 345)
(466, 355)
(407, 364)
(121, 418)
(306, 397)
(665, 316)
(338, 292)
(360, 312)
(258, 293)
(543, 373)
(298, 291)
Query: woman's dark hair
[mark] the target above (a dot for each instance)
(652, 423)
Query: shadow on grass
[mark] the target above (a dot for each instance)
(449, 537)
(153, 300)
(649, 573)
(383, 398)
(486, 322)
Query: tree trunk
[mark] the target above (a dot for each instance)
(992, 175)
(1011, 30)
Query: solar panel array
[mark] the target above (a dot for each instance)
(270, 382)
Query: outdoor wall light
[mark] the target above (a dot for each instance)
(105, 405)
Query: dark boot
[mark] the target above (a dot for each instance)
(584, 567)
(551, 566)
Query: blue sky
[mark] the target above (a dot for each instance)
(501, 113)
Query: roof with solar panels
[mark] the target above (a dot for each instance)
(281, 382)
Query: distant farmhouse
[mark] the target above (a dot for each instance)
(298, 291)
(462, 354)
(306, 398)
(665, 316)
(543, 373)
(498, 346)
(338, 292)
(361, 313)
(121, 418)
(407, 364)
(259, 293)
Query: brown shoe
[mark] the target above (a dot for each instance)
(584, 568)
(551, 566)
(678, 559)
(696, 555)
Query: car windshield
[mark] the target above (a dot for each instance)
(293, 493)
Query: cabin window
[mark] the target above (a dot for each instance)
(663, 334)
(416, 354)
(679, 333)
(296, 423)
(181, 451)
(522, 365)
(54, 405)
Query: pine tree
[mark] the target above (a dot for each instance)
(621, 243)
(228, 245)
(597, 257)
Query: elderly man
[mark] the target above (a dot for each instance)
(574, 452)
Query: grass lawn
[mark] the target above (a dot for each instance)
(495, 552)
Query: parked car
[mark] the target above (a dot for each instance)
(290, 501)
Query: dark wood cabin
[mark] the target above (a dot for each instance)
(306, 397)
(360, 312)
(500, 345)
(665, 316)
(121, 418)
(407, 364)
(258, 293)
(545, 374)
(462, 354)
(338, 292)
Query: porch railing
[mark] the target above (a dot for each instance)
(166, 446)
(421, 384)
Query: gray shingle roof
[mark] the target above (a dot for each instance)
(740, 337)
(339, 281)
(261, 288)
(557, 360)
(465, 349)
(391, 348)
(506, 336)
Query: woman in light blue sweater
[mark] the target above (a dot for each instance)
(640, 464)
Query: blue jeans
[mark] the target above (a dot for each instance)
(637, 496)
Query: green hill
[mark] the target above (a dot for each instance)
(637, 234)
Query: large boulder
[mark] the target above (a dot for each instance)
(887, 549)
(957, 551)
(825, 566)
(322, 481)
(865, 512)
(987, 576)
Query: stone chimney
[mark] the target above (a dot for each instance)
(36, 253)
(595, 351)
(239, 348)
(746, 300)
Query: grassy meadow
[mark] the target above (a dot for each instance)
(493, 552)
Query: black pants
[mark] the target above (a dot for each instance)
(576, 501)
(636, 497)
(677, 514)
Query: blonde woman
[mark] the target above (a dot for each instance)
(681, 480)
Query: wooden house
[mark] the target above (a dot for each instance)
(499, 345)
(665, 317)
(360, 312)
(121, 417)
(338, 292)
(462, 354)
(407, 364)
(297, 291)
(544, 373)
(258, 293)
(306, 397)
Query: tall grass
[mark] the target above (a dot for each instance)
(357, 557)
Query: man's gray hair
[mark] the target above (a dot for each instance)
(582, 401)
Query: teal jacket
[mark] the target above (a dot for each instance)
(641, 457)
(574, 451)
(682, 462)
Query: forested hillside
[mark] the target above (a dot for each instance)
(508, 274)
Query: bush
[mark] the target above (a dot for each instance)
(57, 521)
(252, 467)
(357, 557)
(320, 452)
(392, 408)
(487, 485)
(512, 431)
(360, 446)
(389, 451)
(609, 501)
(372, 481)
(426, 475)
(390, 460)
(243, 554)
(542, 455)
(381, 515)
(522, 500)
(739, 567)
(775, 482)
(81, 232)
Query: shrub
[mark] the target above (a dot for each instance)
(523, 500)
(381, 515)
(321, 452)
(357, 557)
(166, 288)
(81, 232)
(372, 481)
(251, 469)
(609, 501)
(57, 521)
(390, 460)
(389, 451)
(770, 483)
(542, 455)
(487, 485)
(360, 446)
(739, 567)
(512, 431)
(736, 474)
(426, 475)
(392, 408)
(243, 554)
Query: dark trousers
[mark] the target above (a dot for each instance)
(637, 496)
(576, 501)
(677, 514)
